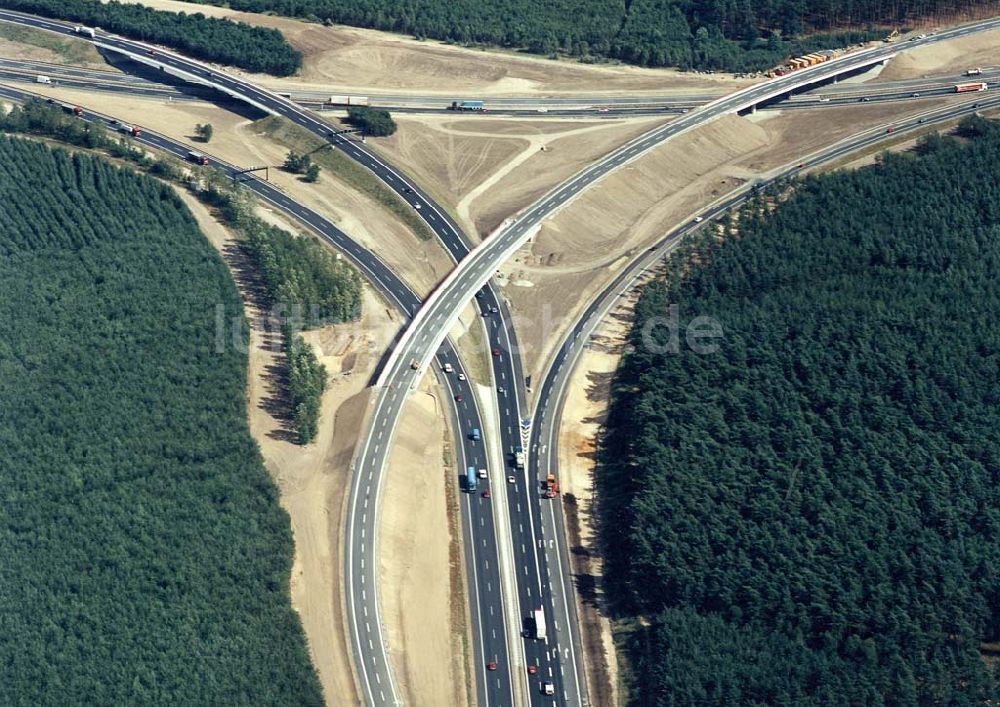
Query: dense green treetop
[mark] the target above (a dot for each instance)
(810, 515)
(705, 34)
(145, 557)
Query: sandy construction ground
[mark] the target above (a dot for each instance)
(344, 59)
(945, 58)
(28, 44)
(312, 480)
(422, 264)
(584, 245)
(420, 562)
(488, 168)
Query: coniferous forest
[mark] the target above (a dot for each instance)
(209, 38)
(703, 34)
(145, 557)
(810, 515)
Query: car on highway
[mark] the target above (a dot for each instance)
(461, 376)
(495, 310)
(496, 352)
(408, 190)
(416, 206)
(532, 669)
(501, 391)
(492, 665)
(511, 479)
(699, 219)
(486, 494)
(914, 95)
(458, 397)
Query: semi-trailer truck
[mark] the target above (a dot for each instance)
(539, 616)
(73, 110)
(88, 31)
(348, 101)
(470, 479)
(130, 130)
(467, 105)
(974, 86)
(197, 158)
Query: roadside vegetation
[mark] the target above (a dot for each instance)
(211, 39)
(71, 51)
(809, 515)
(731, 36)
(304, 143)
(145, 557)
(306, 383)
(305, 284)
(374, 122)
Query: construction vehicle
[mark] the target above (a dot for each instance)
(88, 31)
(892, 36)
(551, 486)
(974, 86)
(348, 101)
(470, 479)
(198, 158)
(539, 617)
(974, 72)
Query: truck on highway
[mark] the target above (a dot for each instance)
(71, 109)
(539, 618)
(519, 458)
(43, 79)
(88, 31)
(551, 486)
(973, 86)
(470, 479)
(474, 435)
(548, 688)
(130, 130)
(197, 158)
(467, 105)
(974, 72)
(348, 101)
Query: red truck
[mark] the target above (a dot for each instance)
(974, 86)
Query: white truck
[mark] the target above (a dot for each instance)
(348, 101)
(88, 31)
(43, 79)
(974, 72)
(539, 617)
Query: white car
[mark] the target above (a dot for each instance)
(416, 206)
(511, 479)
(461, 376)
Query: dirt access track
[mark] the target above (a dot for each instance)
(489, 167)
(345, 59)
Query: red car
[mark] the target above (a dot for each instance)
(532, 669)
(492, 665)
(486, 494)
(458, 398)
(496, 352)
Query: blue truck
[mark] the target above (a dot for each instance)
(470, 479)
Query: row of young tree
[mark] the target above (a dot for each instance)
(212, 39)
(146, 559)
(306, 383)
(306, 284)
(809, 514)
(703, 34)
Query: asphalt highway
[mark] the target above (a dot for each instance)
(153, 86)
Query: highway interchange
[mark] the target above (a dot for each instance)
(530, 523)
